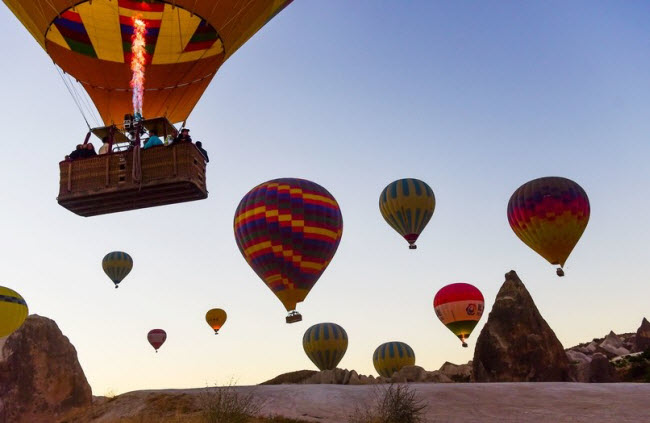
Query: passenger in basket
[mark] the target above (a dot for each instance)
(153, 140)
(199, 145)
(88, 151)
(105, 146)
(184, 136)
(76, 153)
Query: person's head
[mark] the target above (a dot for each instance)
(199, 144)
(153, 132)
(80, 146)
(185, 132)
(90, 146)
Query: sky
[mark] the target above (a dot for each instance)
(474, 98)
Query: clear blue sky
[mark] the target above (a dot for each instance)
(475, 98)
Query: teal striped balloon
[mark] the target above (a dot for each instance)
(117, 265)
(325, 344)
(391, 357)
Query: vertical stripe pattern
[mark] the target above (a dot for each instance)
(117, 265)
(391, 357)
(407, 206)
(325, 344)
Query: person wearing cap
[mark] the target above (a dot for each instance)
(184, 136)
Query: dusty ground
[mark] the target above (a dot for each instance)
(494, 402)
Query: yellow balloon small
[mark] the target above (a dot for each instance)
(216, 317)
(13, 311)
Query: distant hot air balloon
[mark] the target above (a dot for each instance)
(156, 338)
(549, 215)
(117, 265)
(459, 306)
(13, 311)
(407, 205)
(288, 231)
(325, 344)
(216, 318)
(391, 357)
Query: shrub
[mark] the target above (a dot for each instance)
(226, 405)
(395, 404)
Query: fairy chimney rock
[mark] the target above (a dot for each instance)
(516, 344)
(642, 340)
(40, 377)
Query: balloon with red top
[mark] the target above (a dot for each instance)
(156, 338)
(459, 306)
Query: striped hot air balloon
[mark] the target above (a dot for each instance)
(216, 318)
(459, 306)
(288, 231)
(407, 205)
(13, 311)
(549, 215)
(391, 357)
(156, 338)
(117, 265)
(325, 345)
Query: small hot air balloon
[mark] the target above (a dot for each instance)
(407, 205)
(325, 344)
(549, 215)
(216, 318)
(391, 357)
(117, 265)
(156, 338)
(288, 231)
(13, 311)
(459, 306)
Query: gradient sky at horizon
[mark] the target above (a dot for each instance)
(475, 98)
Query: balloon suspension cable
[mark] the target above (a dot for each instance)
(73, 94)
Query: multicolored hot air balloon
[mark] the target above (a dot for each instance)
(459, 306)
(288, 231)
(549, 215)
(407, 205)
(156, 338)
(325, 345)
(117, 265)
(13, 311)
(216, 318)
(391, 357)
(187, 41)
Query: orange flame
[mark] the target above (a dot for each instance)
(138, 61)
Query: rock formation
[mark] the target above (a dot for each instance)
(612, 346)
(601, 370)
(40, 377)
(642, 341)
(516, 344)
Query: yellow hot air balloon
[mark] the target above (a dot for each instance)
(407, 206)
(325, 344)
(13, 311)
(116, 265)
(391, 357)
(216, 317)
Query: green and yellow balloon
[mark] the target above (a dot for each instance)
(325, 344)
(117, 265)
(13, 311)
(391, 357)
(407, 205)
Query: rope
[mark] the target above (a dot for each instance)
(137, 165)
(74, 98)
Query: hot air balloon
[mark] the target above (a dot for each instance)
(216, 317)
(13, 311)
(459, 306)
(288, 231)
(138, 58)
(549, 215)
(117, 265)
(407, 205)
(156, 338)
(391, 357)
(325, 345)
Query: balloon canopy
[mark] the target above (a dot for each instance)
(117, 265)
(407, 206)
(186, 43)
(156, 338)
(288, 231)
(216, 317)
(391, 357)
(549, 215)
(325, 344)
(13, 311)
(459, 306)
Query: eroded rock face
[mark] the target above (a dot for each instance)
(516, 344)
(642, 341)
(601, 370)
(612, 346)
(40, 377)
(457, 372)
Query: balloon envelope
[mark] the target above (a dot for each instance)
(407, 206)
(288, 231)
(549, 215)
(391, 357)
(187, 41)
(459, 306)
(117, 265)
(13, 311)
(156, 338)
(216, 317)
(325, 345)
